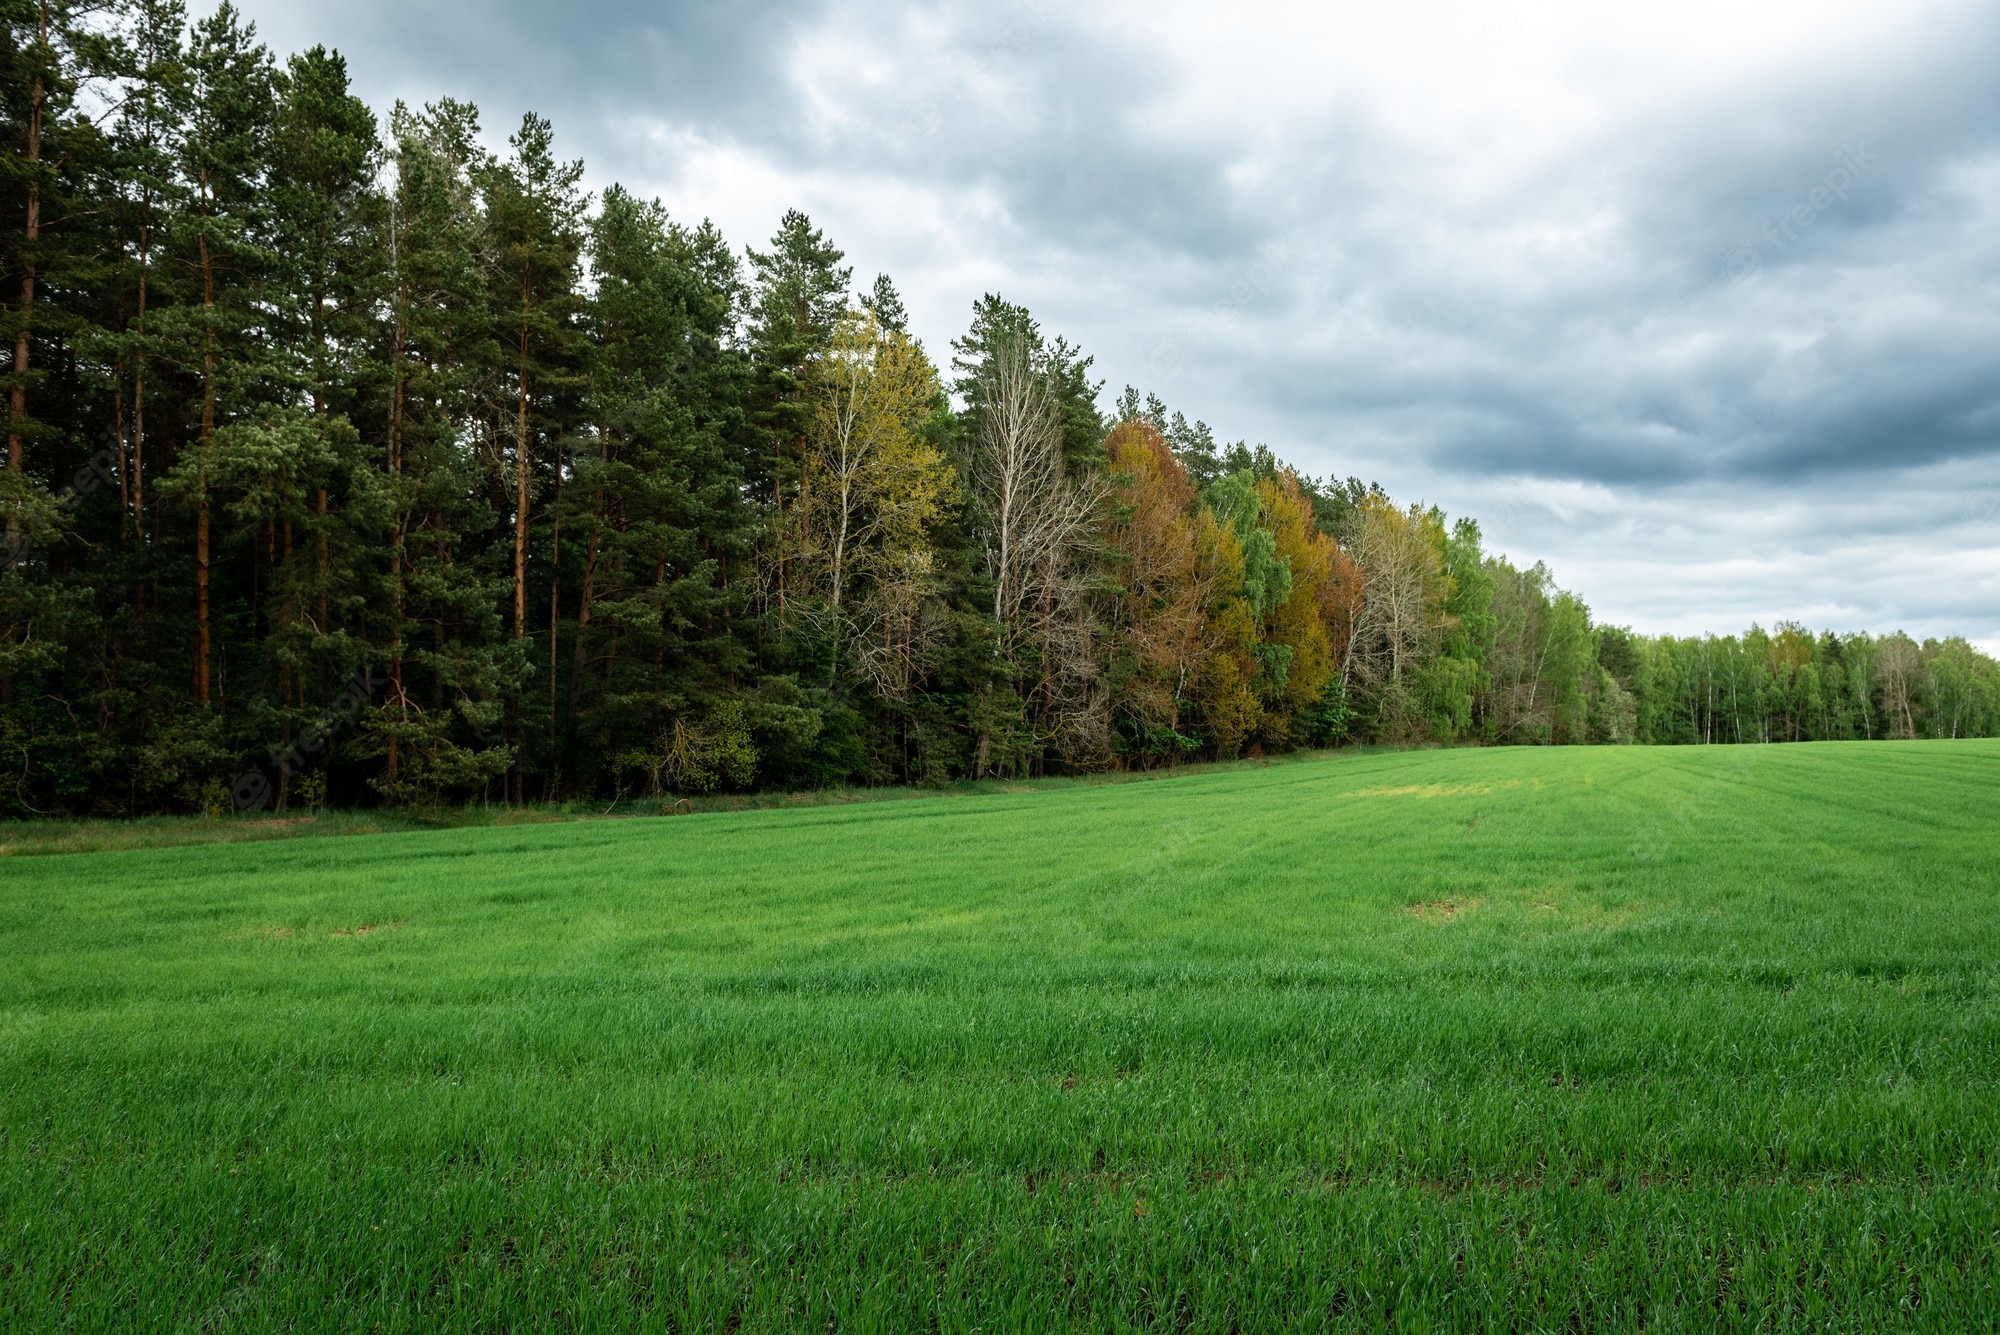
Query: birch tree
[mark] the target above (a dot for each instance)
(1039, 526)
(872, 487)
(1402, 621)
(872, 484)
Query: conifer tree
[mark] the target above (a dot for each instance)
(51, 237)
(797, 294)
(57, 324)
(150, 195)
(535, 234)
(884, 303)
(663, 527)
(223, 249)
(534, 210)
(331, 279)
(449, 666)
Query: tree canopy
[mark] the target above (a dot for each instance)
(345, 452)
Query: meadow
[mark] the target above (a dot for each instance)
(1531, 1039)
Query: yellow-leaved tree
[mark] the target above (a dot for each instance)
(1299, 623)
(1226, 690)
(872, 487)
(1159, 644)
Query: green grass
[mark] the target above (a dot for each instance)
(1525, 1039)
(49, 836)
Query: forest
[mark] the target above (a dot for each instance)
(352, 462)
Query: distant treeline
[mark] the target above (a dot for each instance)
(352, 462)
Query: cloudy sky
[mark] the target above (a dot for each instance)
(1699, 302)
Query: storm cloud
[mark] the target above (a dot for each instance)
(1699, 303)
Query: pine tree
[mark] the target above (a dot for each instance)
(150, 196)
(57, 323)
(51, 235)
(332, 265)
(450, 667)
(663, 527)
(798, 293)
(884, 303)
(310, 499)
(223, 248)
(535, 238)
(998, 323)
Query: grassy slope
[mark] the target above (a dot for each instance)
(1699, 1035)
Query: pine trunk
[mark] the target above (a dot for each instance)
(17, 398)
(202, 638)
(521, 489)
(393, 757)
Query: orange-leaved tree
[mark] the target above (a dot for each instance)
(1159, 645)
(1299, 622)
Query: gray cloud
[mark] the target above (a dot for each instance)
(1719, 342)
(704, 63)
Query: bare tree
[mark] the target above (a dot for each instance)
(1898, 665)
(1402, 618)
(899, 625)
(1041, 527)
(1037, 518)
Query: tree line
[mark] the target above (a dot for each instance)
(349, 460)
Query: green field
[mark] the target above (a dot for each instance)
(1528, 1039)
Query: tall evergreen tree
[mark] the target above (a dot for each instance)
(306, 475)
(55, 167)
(998, 323)
(149, 197)
(658, 505)
(886, 304)
(57, 323)
(535, 238)
(449, 667)
(797, 294)
(223, 247)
